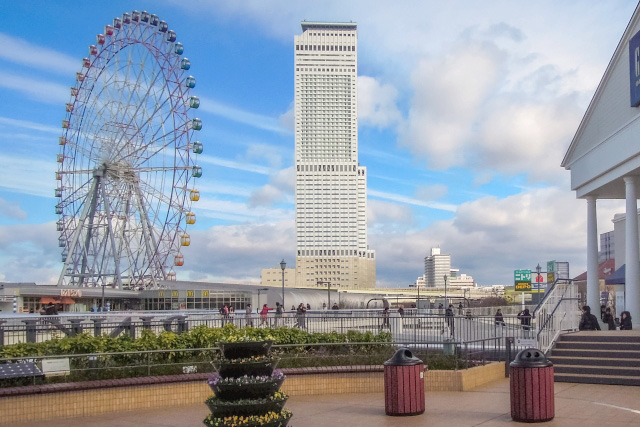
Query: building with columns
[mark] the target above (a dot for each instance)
(604, 160)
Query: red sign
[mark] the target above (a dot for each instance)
(539, 278)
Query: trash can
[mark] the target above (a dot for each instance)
(531, 380)
(448, 347)
(404, 384)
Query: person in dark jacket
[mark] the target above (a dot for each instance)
(608, 319)
(448, 314)
(499, 318)
(625, 321)
(525, 321)
(588, 322)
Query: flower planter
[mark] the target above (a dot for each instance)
(280, 420)
(239, 350)
(247, 390)
(223, 408)
(256, 368)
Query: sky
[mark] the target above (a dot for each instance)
(466, 109)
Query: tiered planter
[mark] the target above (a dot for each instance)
(246, 388)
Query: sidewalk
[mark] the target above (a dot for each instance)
(576, 404)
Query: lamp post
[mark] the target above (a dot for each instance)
(259, 290)
(538, 269)
(283, 265)
(445, 289)
(103, 285)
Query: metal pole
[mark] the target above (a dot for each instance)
(328, 294)
(538, 280)
(283, 265)
(103, 285)
(445, 290)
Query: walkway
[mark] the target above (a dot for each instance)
(576, 404)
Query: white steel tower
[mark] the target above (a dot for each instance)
(331, 222)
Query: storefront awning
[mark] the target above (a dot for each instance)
(63, 300)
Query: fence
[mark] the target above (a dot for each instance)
(412, 327)
(559, 311)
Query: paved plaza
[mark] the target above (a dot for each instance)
(576, 404)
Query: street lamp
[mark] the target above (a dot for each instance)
(538, 281)
(259, 290)
(445, 289)
(283, 265)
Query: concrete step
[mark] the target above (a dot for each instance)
(597, 370)
(588, 345)
(580, 352)
(595, 361)
(599, 336)
(597, 379)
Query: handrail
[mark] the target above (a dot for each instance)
(554, 313)
(549, 292)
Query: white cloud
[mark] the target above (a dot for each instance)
(377, 103)
(411, 201)
(259, 121)
(51, 93)
(279, 189)
(431, 192)
(232, 164)
(29, 252)
(20, 51)
(11, 210)
(11, 123)
(27, 175)
(382, 214)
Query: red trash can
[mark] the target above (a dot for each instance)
(531, 380)
(404, 384)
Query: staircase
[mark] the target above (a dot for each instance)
(597, 357)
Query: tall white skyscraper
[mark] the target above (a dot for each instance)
(436, 266)
(331, 186)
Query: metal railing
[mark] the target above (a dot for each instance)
(557, 312)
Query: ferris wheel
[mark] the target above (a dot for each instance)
(127, 158)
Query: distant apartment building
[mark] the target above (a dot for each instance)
(462, 281)
(436, 267)
(607, 247)
(331, 185)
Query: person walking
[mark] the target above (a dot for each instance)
(448, 314)
(385, 318)
(264, 313)
(460, 308)
(300, 312)
(588, 322)
(278, 314)
(248, 316)
(525, 321)
(625, 321)
(499, 318)
(609, 319)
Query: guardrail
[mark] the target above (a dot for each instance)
(558, 312)
(408, 328)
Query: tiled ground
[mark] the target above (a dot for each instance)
(576, 405)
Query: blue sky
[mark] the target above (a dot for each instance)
(465, 110)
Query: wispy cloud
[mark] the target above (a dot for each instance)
(27, 175)
(51, 93)
(20, 51)
(411, 201)
(237, 115)
(262, 170)
(29, 125)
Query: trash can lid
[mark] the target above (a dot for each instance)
(532, 358)
(403, 357)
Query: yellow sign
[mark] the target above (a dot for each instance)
(190, 294)
(205, 293)
(174, 293)
(160, 293)
(523, 286)
(551, 277)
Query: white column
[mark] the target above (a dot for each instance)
(632, 273)
(593, 284)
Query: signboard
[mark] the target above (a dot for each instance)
(522, 279)
(52, 367)
(205, 293)
(551, 277)
(190, 294)
(73, 293)
(160, 293)
(526, 342)
(634, 70)
(174, 293)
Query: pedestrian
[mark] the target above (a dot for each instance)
(247, 316)
(449, 316)
(499, 318)
(224, 313)
(278, 314)
(401, 311)
(264, 313)
(609, 319)
(300, 312)
(293, 307)
(625, 321)
(335, 306)
(460, 308)
(525, 321)
(308, 306)
(602, 311)
(324, 306)
(385, 318)
(588, 322)
(51, 310)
